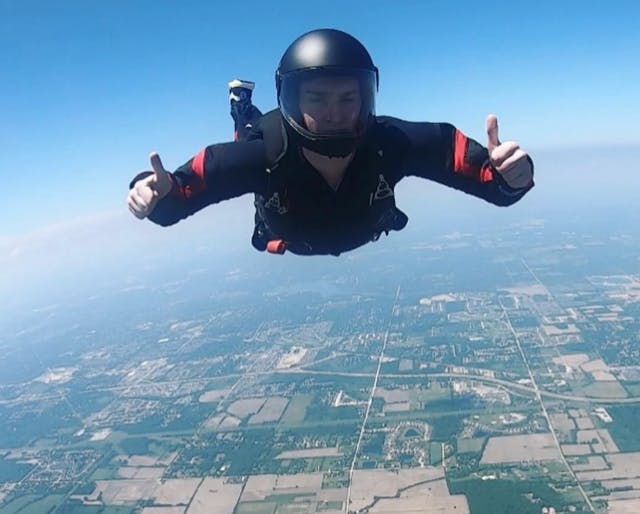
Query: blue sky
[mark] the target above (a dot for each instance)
(89, 88)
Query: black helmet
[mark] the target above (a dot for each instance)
(335, 60)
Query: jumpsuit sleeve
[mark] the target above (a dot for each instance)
(218, 172)
(442, 153)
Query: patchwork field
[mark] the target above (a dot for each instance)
(213, 395)
(593, 463)
(214, 491)
(404, 491)
(290, 494)
(623, 465)
(624, 506)
(176, 491)
(124, 492)
(163, 510)
(270, 411)
(246, 406)
(296, 409)
(517, 448)
(311, 453)
(392, 395)
(576, 449)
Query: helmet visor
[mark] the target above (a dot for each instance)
(328, 103)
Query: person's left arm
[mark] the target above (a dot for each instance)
(500, 173)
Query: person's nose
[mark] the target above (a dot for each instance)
(333, 112)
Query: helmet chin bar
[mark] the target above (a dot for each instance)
(332, 149)
(328, 146)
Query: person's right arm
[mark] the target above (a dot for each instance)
(218, 172)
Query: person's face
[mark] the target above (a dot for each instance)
(330, 104)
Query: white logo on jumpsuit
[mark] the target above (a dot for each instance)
(382, 191)
(274, 204)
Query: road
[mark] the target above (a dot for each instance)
(373, 390)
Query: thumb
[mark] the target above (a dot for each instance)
(156, 164)
(492, 132)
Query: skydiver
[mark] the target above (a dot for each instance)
(243, 112)
(323, 166)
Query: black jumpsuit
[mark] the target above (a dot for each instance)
(301, 209)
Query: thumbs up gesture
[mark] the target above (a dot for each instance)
(146, 192)
(507, 158)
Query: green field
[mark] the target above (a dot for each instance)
(632, 388)
(435, 454)
(35, 504)
(43, 505)
(107, 473)
(278, 504)
(17, 505)
(624, 428)
(289, 498)
(296, 410)
(335, 505)
(291, 508)
(152, 447)
(256, 508)
(421, 397)
(474, 445)
(516, 496)
(12, 471)
(604, 390)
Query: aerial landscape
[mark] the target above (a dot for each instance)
(482, 373)
(332, 257)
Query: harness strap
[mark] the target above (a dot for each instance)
(383, 214)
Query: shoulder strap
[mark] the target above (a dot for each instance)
(271, 130)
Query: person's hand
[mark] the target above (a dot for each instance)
(146, 192)
(507, 158)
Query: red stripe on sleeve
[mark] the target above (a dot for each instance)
(486, 175)
(459, 151)
(197, 165)
(198, 184)
(461, 165)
